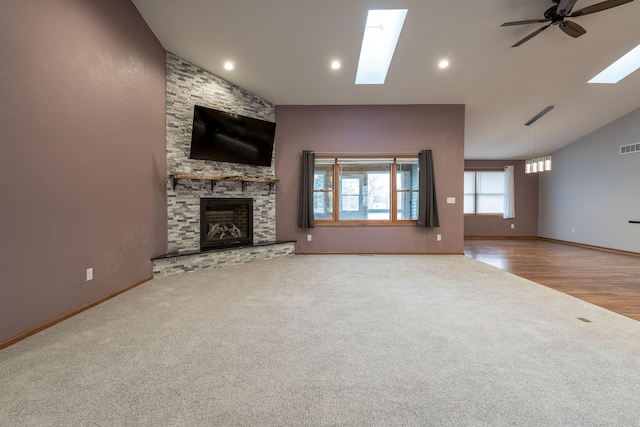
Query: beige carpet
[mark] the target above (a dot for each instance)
(330, 340)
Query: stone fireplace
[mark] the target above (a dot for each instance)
(225, 223)
(188, 247)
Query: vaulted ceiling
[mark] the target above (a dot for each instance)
(282, 50)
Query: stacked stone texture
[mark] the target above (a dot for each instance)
(205, 260)
(187, 86)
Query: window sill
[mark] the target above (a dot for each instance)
(485, 215)
(366, 223)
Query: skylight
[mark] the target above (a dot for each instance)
(381, 34)
(620, 69)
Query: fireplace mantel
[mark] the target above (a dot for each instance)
(215, 178)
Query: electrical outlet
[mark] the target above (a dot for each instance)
(308, 237)
(89, 274)
(451, 200)
(439, 237)
(573, 229)
(513, 226)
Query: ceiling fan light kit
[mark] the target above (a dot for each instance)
(556, 14)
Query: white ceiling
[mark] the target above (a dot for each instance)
(283, 48)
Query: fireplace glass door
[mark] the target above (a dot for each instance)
(225, 223)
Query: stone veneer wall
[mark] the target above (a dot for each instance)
(188, 85)
(221, 258)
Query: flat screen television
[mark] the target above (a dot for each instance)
(226, 137)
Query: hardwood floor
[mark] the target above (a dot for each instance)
(606, 279)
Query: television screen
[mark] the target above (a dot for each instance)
(226, 137)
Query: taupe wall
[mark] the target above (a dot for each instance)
(526, 193)
(372, 129)
(82, 155)
(593, 190)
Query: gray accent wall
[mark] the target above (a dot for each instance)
(82, 156)
(189, 85)
(594, 190)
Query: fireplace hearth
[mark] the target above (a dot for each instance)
(225, 223)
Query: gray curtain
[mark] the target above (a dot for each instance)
(428, 205)
(305, 214)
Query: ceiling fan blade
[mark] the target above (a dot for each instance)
(532, 35)
(572, 29)
(599, 7)
(565, 6)
(528, 21)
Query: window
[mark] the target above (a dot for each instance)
(407, 179)
(323, 190)
(371, 190)
(484, 192)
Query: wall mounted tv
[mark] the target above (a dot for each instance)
(226, 137)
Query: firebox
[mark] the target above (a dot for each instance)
(225, 223)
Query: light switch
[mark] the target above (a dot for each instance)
(451, 200)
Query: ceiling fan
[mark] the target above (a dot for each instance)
(557, 13)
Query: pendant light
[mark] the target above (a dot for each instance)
(541, 163)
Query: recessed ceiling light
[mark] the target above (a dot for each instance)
(620, 69)
(335, 65)
(381, 34)
(443, 64)
(228, 66)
